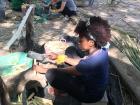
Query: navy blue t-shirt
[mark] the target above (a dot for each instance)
(94, 70)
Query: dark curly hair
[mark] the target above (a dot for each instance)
(96, 29)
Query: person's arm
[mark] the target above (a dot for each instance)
(66, 59)
(40, 69)
(72, 61)
(71, 70)
(62, 7)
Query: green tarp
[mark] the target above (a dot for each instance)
(14, 63)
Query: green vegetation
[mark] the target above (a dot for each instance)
(129, 47)
(16, 4)
(33, 101)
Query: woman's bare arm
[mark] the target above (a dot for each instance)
(71, 70)
(72, 61)
(62, 7)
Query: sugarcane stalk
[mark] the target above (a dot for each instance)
(130, 49)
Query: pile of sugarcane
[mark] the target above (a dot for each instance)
(39, 101)
(33, 100)
(129, 47)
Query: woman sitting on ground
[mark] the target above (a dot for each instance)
(66, 7)
(86, 80)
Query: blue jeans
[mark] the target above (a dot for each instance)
(66, 11)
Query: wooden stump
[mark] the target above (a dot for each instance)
(4, 95)
(16, 84)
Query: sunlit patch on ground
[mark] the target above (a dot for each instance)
(6, 25)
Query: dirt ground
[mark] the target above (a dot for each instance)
(123, 16)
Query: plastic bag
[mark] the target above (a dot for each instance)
(14, 63)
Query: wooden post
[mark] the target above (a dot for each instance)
(29, 30)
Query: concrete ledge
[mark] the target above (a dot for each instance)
(127, 71)
(103, 101)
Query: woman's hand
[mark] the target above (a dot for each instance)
(39, 68)
(52, 56)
